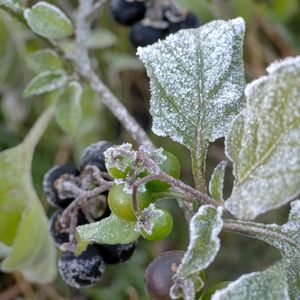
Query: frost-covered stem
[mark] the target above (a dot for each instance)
(83, 63)
(258, 231)
(81, 198)
(198, 166)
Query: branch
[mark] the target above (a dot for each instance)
(259, 231)
(83, 63)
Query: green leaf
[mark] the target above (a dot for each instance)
(45, 82)
(101, 38)
(263, 143)
(24, 228)
(286, 238)
(204, 245)
(48, 21)
(197, 83)
(44, 60)
(217, 182)
(14, 5)
(270, 284)
(32, 252)
(110, 230)
(68, 109)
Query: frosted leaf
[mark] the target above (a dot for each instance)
(217, 182)
(45, 82)
(68, 108)
(270, 284)
(204, 244)
(110, 230)
(48, 21)
(44, 60)
(264, 143)
(286, 238)
(197, 82)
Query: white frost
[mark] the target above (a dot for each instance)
(196, 81)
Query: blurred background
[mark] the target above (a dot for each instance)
(273, 32)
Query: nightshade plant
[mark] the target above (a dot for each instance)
(198, 94)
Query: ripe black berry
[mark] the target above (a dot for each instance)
(143, 35)
(93, 155)
(50, 181)
(158, 275)
(190, 20)
(58, 234)
(114, 254)
(127, 12)
(83, 270)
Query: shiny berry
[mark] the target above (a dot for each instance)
(50, 184)
(158, 275)
(114, 254)
(127, 12)
(171, 166)
(162, 226)
(143, 35)
(120, 202)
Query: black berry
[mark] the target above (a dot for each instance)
(190, 20)
(58, 234)
(83, 270)
(50, 181)
(143, 35)
(114, 254)
(158, 275)
(127, 12)
(94, 155)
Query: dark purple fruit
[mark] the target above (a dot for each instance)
(94, 155)
(114, 254)
(158, 275)
(127, 12)
(143, 35)
(59, 235)
(190, 20)
(50, 181)
(83, 270)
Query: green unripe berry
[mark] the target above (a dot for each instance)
(120, 202)
(163, 225)
(171, 167)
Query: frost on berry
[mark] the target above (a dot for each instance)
(83, 270)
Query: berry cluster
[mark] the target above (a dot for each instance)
(88, 195)
(60, 185)
(151, 21)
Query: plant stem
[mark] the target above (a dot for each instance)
(83, 63)
(270, 234)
